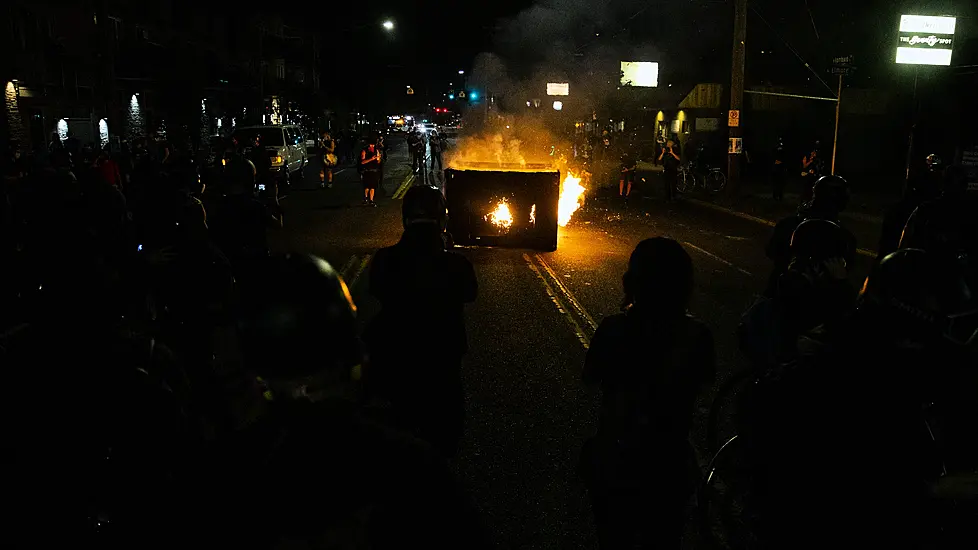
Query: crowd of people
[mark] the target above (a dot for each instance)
(172, 382)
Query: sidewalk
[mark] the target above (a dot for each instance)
(864, 215)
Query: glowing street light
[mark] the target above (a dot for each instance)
(558, 105)
(461, 72)
(388, 25)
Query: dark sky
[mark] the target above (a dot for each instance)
(690, 38)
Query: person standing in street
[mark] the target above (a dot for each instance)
(370, 171)
(670, 168)
(627, 175)
(327, 147)
(417, 341)
(437, 145)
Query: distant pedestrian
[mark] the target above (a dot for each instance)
(327, 148)
(370, 171)
(437, 145)
(670, 168)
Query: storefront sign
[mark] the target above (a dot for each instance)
(558, 88)
(925, 40)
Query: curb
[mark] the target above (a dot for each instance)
(755, 219)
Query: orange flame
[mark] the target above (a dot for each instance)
(571, 198)
(501, 216)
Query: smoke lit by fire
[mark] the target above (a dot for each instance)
(501, 216)
(571, 198)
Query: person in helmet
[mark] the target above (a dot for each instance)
(830, 196)
(651, 362)
(417, 341)
(814, 290)
(848, 412)
(947, 225)
(920, 190)
(309, 468)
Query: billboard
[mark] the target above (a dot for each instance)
(640, 74)
(558, 88)
(925, 40)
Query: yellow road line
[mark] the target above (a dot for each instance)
(363, 265)
(405, 185)
(346, 267)
(717, 258)
(568, 294)
(755, 219)
(578, 331)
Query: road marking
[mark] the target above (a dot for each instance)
(363, 265)
(578, 331)
(568, 294)
(405, 185)
(346, 267)
(732, 212)
(717, 258)
(755, 219)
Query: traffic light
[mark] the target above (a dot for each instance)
(473, 95)
(451, 96)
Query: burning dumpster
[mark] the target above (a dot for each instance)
(509, 205)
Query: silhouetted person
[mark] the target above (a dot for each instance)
(830, 195)
(651, 363)
(309, 469)
(417, 341)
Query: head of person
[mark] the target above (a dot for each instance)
(297, 326)
(946, 228)
(371, 144)
(659, 279)
(670, 144)
(830, 194)
(919, 301)
(424, 206)
(814, 243)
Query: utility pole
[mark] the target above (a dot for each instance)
(835, 136)
(737, 92)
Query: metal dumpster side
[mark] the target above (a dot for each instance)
(531, 197)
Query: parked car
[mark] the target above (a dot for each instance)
(285, 145)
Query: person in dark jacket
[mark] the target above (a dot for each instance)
(309, 469)
(417, 341)
(651, 362)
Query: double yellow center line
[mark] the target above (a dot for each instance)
(403, 188)
(564, 300)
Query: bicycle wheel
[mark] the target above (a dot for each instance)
(685, 181)
(715, 181)
(723, 499)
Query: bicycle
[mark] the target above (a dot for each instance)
(689, 178)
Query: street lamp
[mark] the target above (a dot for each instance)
(388, 25)
(461, 72)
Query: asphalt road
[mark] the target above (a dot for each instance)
(527, 412)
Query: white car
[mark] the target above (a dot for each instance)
(285, 146)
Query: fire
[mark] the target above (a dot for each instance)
(571, 195)
(533, 214)
(501, 216)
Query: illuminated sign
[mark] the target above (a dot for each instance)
(640, 74)
(925, 40)
(558, 88)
